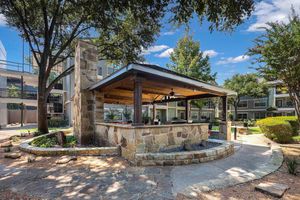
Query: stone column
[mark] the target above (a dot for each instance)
(86, 60)
(225, 125)
(137, 102)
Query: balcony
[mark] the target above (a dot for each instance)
(17, 94)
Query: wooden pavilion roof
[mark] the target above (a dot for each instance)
(157, 86)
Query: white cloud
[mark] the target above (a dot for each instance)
(168, 33)
(272, 11)
(154, 49)
(165, 54)
(232, 60)
(2, 20)
(210, 53)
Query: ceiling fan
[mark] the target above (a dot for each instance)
(172, 94)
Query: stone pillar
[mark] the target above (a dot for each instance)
(137, 102)
(225, 125)
(86, 60)
(187, 110)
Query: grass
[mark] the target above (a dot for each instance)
(254, 130)
(296, 138)
(32, 130)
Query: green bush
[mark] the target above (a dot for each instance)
(279, 129)
(44, 142)
(71, 141)
(57, 122)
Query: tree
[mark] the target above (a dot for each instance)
(245, 85)
(52, 27)
(278, 53)
(187, 59)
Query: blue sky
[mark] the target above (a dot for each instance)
(226, 50)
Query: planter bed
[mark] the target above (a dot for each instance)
(58, 151)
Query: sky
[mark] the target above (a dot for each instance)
(226, 50)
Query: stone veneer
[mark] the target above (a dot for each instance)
(88, 105)
(186, 157)
(145, 139)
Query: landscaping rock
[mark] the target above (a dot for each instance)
(6, 144)
(7, 149)
(66, 159)
(273, 189)
(61, 138)
(31, 158)
(12, 155)
(187, 145)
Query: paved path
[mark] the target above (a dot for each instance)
(113, 178)
(7, 132)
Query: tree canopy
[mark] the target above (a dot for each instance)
(245, 85)
(188, 59)
(123, 28)
(277, 51)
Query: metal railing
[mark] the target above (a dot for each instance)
(15, 66)
(18, 94)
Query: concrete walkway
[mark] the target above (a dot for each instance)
(253, 160)
(113, 178)
(12, 130)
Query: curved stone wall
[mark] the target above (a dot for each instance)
(186, 157)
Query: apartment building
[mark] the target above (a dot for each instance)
(276, 103)
(18, 93)
(3, 106)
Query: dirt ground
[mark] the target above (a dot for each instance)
(246, 191)
(242, 191)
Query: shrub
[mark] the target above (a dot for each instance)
(292, 166)
(278, 129)
(57, 122)
(44, 142)
(71, 141)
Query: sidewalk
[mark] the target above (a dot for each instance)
(9, 131)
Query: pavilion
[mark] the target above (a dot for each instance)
(137, 84)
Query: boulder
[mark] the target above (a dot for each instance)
(66, 159)
(61, 138)
(12, 155)
(187, 145)
(31, 158)
(273, 189)
(6, 144)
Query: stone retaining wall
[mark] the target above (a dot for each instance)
(148, 139)
(53, 151)
(188, 157)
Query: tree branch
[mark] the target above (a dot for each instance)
(63, 74)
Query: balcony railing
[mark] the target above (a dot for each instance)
(13, 93)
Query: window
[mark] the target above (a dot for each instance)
(243, 104)
(242, 116)
(181, 103)
(110, 70)
(259, 115)
(279, 103)
(100, 71)
(260, 103)
(289, 104)
(194, 115)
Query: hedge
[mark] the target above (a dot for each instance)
(279, 129)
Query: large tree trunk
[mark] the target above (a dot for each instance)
(295, 97)
(42, 113)
(42, 102)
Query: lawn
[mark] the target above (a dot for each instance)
(254, 130)
(296, 138)
(32, 130)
